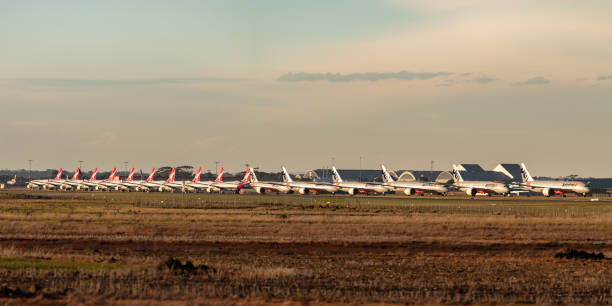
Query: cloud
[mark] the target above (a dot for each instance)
(604, 77)
(533, 81)
(367, 76)
(484, 79)
(121, 82)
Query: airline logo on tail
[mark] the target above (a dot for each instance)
(59, 175)
(196, 178)
(172, 175)
(386, 175)
(253, 176)
(150, 178)
(525, 174)
(93, 175)
(220, 176)
(111, 177)
(131, 176)
(286, 176)
(13, 181)
(76, 174)
(456, 176)
(335, 175)
(247, 176)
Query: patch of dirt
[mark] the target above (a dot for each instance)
(175, 265)
(578, 254)
(21, 196)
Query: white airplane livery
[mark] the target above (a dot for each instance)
(207, 186)
(354, 188)
(13, 181)
(307, 187)
(411, 188)
(267, 187)
(47, 184)
(549, 188)
(235, 186)
(478, 187)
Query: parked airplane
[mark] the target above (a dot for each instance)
(111, 182)
(150, 185)
(353, 188)
(267, 187)
(171, 185)
(72, 183)
(235, 186)
(88, 184)
(411, 188)
(307, 187)
(47, 184)
(548, 188)
(13, 181)
(208, 186)
(478, 187)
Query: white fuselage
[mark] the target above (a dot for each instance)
(353, 188)
(310, 187)
(265, 187)
(410, 188)
(549, 188)
(475, 187)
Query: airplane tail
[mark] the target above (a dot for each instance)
(220, 176)
(76, 174)
(286, 176)
(456, 175)
(253, 176)
(93, 175)
(247, 176)
(525, 174)
(196, 178)
(59, 175)
(111, 177)
(150, 178)
(172, 176)
(335, 175)
(386, 176)
(131, 176)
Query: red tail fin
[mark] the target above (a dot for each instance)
(220, 176)
(196, 178)
(93, 175)
(76, 174)
(111, 177)
(172, 175)
(150, 178)
(131, 176)
(247, 176)
(59, 175)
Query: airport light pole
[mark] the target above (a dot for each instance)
(360, 158)
(216, 167)
(126, 166)
(30, 173)
(80, 165)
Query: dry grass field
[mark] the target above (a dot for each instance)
(115, 247)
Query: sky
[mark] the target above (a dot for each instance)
(306, 84)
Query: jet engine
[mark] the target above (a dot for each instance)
(409, 191)
(471, 191)
(303, 191)
(547, 192)
(260, 190)
(351, 191)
